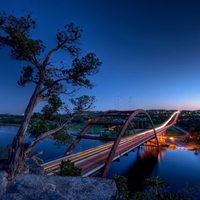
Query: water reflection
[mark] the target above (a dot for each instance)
(176, 166)
(147, 159)
(137, 166)
(50, 151)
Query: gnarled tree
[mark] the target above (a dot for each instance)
(50, 81)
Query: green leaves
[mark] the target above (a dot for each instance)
(50, 81)
(49, 119)
(156, 190)
(86, 66)
(156, 182)
(68, 36)
(67, 168)
(62, 138)
(16, 34)
(51, 111)
(27, 75)
(122, 190)
(82, 103)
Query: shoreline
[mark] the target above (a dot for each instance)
(178, 142)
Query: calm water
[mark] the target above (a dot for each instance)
(175, 166)
(50, 151)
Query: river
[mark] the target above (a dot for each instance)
(176, 166)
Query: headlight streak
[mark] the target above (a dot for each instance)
(163, 125)
(100, 149)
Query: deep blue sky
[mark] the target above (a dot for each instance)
(150, 51)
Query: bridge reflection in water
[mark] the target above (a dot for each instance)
(128, 130)
(144, 162)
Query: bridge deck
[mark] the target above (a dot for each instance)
(94, 159)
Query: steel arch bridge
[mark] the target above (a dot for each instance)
(123, 121)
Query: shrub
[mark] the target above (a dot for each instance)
(67, 168)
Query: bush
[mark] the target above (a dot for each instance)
(156, 190)
(69, 169)
(122, 190)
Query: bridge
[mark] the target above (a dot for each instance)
(123, 131)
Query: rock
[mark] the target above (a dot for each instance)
(32, 187)
(32, 169)
(3, 181)
(36, 170)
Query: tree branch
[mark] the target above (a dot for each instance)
(50, 54)
(46, 135)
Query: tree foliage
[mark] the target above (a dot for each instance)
(156, 189)
(51, 79)
(67, 168)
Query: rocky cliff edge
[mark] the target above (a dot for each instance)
(32, 187)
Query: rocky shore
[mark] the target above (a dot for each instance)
(32, 187)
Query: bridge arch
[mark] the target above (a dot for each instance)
(116, 142)
(85, 130)
(129, 116)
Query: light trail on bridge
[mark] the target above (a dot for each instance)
(165, 123)
(94, 159)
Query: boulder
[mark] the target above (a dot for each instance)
(32, 187)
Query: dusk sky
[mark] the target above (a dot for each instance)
(150, 51)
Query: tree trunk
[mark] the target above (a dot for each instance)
(17, 150)
(16, 158)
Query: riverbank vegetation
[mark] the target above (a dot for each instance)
(156, 188)
(10, 120)
(188, 120)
